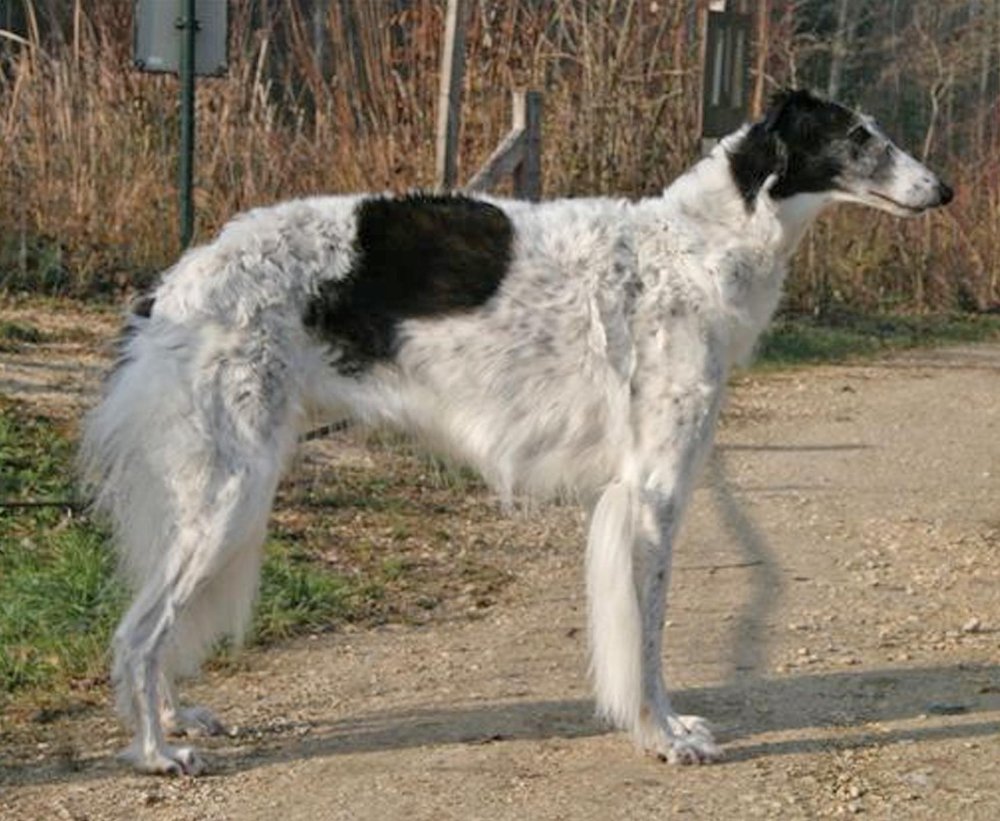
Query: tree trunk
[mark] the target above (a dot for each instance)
(838, 50)
(760, 61)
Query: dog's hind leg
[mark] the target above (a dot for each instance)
(222, 607)
(226, 519)
(185, 721)
(218, 470)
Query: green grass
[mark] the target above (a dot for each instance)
(296, 595)
(799, 341)
(58, 604)
(14, 334)
(60, 597)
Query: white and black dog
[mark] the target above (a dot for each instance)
(571, 346)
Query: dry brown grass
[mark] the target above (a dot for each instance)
(87, 194)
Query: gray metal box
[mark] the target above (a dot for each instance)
(725, 100)
(157, 45)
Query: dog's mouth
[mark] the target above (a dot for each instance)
(911, 210)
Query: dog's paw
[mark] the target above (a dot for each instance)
(192, 722)
(165, 760)
(680, 739)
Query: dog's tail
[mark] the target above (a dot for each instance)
(114, 471)
(613, 606)
(117, 460)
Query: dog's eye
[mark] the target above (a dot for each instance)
(860, 136)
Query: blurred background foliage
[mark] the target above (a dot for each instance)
(340, 95)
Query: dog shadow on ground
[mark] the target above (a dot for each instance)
(824, 711)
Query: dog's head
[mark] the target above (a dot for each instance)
(807, 145)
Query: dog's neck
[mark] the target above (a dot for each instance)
(710, 194)
(746, 242)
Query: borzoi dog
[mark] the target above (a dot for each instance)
(573, 345)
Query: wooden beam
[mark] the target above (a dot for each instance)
(504, 160)
(520, 152)
(762, 47)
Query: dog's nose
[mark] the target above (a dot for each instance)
(945, 194)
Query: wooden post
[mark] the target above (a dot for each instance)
(520, 152)
(528, 173)
(450, 95)
(188, 24)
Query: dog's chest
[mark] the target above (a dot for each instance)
(729, 293)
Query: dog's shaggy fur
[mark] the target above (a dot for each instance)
(575, 345)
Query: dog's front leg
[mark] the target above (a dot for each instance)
(632, 529)
(628, 569)
(658, 728)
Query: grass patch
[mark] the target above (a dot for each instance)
(13, 335)
(800, 341)
(60, 597)
(59, 601)
(297, 595)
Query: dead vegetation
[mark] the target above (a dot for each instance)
(326, 97)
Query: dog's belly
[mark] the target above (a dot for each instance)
(530, 416)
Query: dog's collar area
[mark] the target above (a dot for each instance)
(757, 156)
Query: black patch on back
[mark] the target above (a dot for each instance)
(415, 257)
(796, 139)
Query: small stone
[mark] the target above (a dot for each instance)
(973, 625)
(917, 778)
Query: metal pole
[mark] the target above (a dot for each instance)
(188, 26)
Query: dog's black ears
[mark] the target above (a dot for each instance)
(775, 107)
(787, 107)
(800, 118)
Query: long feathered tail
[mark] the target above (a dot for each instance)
(615, 623)
(115, 462)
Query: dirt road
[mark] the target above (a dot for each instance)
(835, 611)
